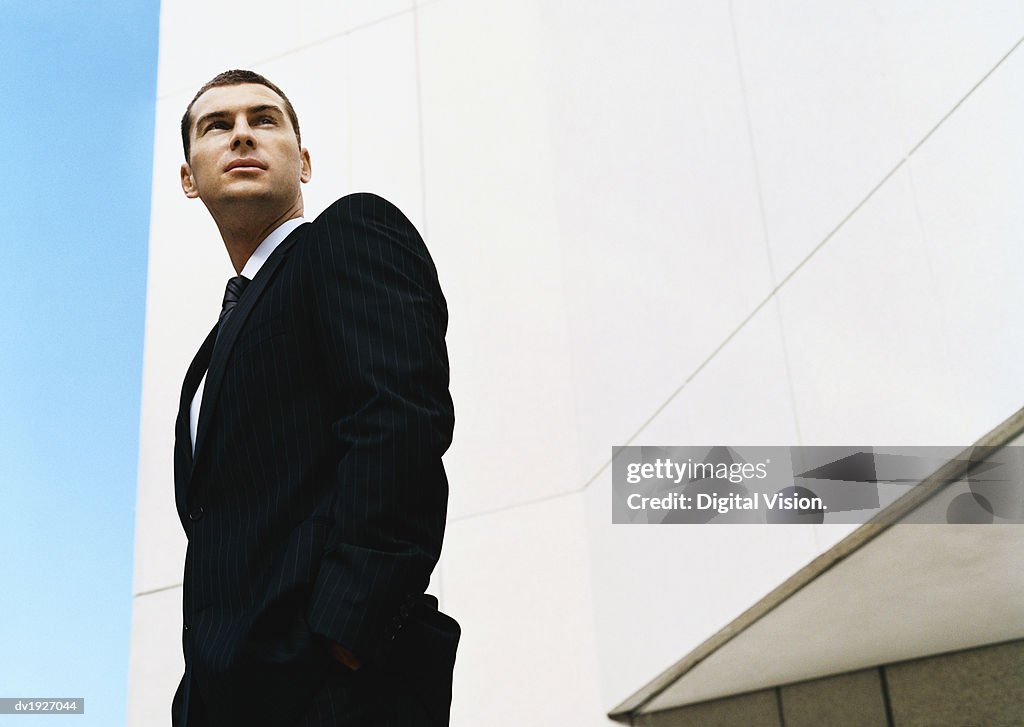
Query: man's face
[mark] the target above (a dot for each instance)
(243, 149)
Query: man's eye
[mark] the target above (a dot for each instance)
(266, 120)
(217, 125)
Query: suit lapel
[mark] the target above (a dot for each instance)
(222, 351)
(182, 432)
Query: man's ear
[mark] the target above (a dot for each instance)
(305, 165)
(188, 184)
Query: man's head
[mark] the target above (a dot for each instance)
(234, 78)
(241, 141)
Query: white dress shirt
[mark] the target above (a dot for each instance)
(252, 266)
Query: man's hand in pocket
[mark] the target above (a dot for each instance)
(345, 656)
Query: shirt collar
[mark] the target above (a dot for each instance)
(269, 244)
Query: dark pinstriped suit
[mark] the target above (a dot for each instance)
(315, 504)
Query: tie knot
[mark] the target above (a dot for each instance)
(234, 290)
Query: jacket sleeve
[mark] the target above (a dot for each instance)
(380, 321)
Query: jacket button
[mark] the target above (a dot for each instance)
(196, 514)
(186, 627)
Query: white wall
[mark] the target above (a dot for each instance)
(655, 223)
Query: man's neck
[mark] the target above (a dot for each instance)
(243, 232)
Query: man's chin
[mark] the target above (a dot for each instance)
(245, 193)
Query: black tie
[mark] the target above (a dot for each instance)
(233, 291)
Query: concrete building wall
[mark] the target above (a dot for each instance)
(982, 686)
(665, 223)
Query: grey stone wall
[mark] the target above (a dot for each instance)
(982, 687)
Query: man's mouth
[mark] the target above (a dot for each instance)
(245, 163)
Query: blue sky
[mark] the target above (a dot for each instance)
(78, 83)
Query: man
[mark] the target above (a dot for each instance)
(308, 444)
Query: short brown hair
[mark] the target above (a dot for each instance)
(234, 78)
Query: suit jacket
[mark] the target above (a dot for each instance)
(315, 503)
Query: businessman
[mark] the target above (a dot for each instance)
(307, 461)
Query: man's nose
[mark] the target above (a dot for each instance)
(243, 135)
